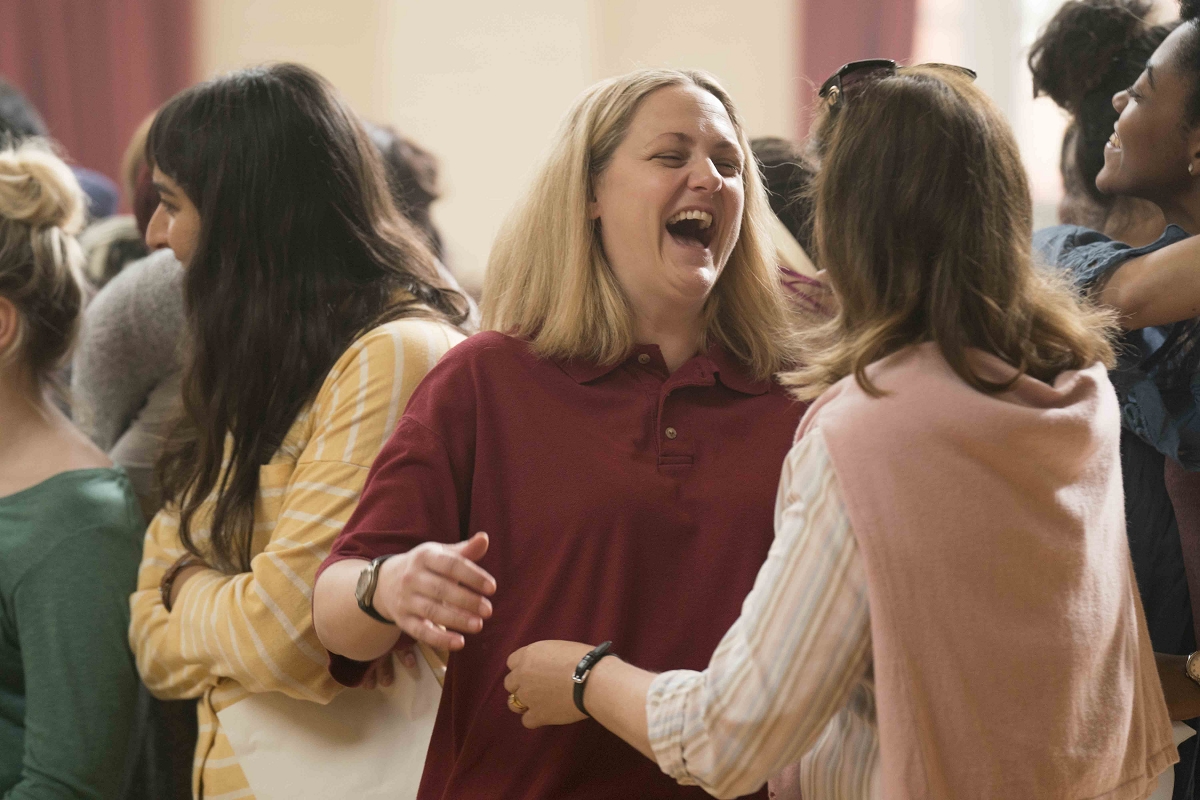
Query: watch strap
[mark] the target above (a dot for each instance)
(584, 670)
(366, 598)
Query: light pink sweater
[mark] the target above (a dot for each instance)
(1010, 649)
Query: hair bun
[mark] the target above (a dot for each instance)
(1082, 44)
(38, 189)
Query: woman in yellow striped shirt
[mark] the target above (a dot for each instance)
(313, 311)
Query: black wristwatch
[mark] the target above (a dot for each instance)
(584, 669)
(364, 592)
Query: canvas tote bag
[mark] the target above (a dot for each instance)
(364, 744)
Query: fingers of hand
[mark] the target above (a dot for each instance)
(511, 684)
(450, 593)
(387, 671)
(447, 616)
(516, 705)
(474, 548)
(515, 658)
(456, 567)
(407, 657)
(531, 720)
(425, 631)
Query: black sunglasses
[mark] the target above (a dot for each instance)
(856, 72)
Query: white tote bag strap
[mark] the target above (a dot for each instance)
(364, 744)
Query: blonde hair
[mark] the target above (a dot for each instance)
(924, 224)
(548, 279)
(41, 210)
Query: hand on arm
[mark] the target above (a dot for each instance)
(435, 593)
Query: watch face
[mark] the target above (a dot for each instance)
(364, 583)
(1192, 667)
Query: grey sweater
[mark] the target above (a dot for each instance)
(127, 366)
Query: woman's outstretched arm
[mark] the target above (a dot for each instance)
(780, 673)
(1157, 288)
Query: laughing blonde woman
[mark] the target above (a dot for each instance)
(615, 434)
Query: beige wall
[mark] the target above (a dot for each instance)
(483, 83)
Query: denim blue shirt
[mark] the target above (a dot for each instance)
(1157, 381)
(1158, 369)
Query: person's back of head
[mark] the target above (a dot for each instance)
(18, 118)
(41, 208)
(923, 220)
(412, 175)
(787, 177)
(1089, 51)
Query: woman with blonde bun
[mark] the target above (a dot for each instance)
(70, 527)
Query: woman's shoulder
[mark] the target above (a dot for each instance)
(98, 503)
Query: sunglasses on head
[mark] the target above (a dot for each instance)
(856, 72)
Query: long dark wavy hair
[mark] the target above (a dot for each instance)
(300, 250)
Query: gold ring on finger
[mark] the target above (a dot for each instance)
(515, 703)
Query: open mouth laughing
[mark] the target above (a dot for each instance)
(692, 228)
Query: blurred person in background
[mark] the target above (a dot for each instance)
(312, 309)
(20, 120)
(961, 389)
(615, 434)
(114, 243)
(70, 527)
(787, 176)
(1089, 51)
(413, 179)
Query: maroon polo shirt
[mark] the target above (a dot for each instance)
(623, 503)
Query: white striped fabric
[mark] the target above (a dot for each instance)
(790, 681)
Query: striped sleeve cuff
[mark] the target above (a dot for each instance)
(666, 717)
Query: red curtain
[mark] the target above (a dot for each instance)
(834, 32)
(96, 68)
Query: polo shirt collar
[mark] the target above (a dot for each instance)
(734, 374)
(724, 366)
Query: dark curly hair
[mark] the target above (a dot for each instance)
(787, 176)
(1089, 51)
(1189, 57)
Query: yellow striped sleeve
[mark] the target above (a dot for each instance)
(256, 627)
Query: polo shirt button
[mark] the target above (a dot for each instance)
(644, 358)
(671, 433)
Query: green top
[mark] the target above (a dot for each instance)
(69, 551)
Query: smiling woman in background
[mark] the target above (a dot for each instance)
(70, 528)
(616, 434)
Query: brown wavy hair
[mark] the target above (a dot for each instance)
(924, 223)
(300, 250)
